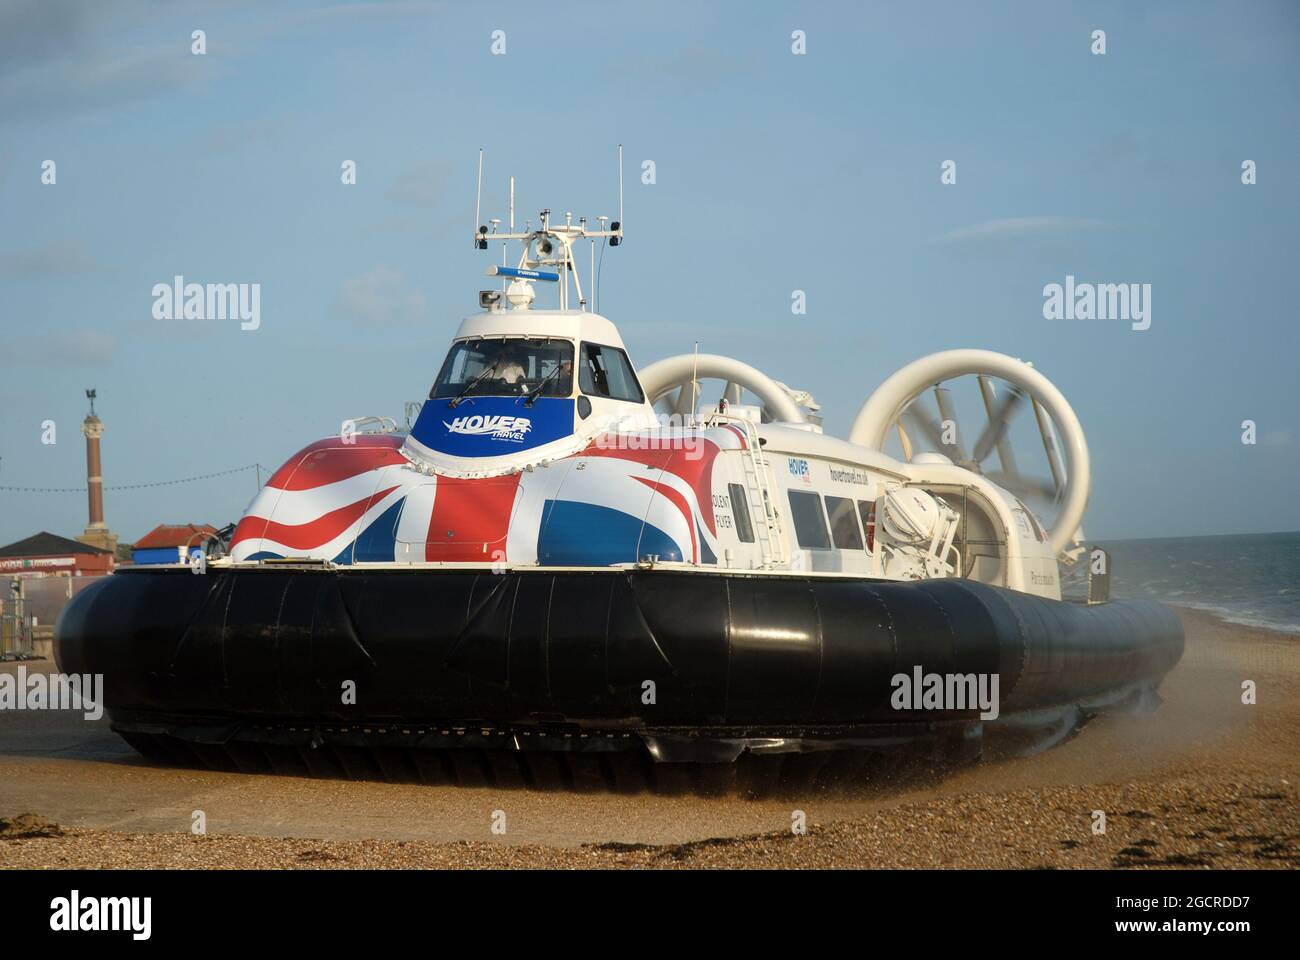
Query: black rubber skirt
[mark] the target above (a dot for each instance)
(683, 661)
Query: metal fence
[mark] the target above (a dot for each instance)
(29, 607)
(15, 626)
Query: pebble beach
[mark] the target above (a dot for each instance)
(1205, 781)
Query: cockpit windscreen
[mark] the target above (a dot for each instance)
(506, 367)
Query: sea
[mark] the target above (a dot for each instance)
(1251, 579)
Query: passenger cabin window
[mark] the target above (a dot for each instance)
(606, 372)
(506, 366)
(844, 523)
(809, 520)
(740, 513)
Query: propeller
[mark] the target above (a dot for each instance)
(924, 424)
(988, 393)
(1026, 488)
(994, 436)
(687, 399)
(943, 400)
(894, 405)
(997, 426)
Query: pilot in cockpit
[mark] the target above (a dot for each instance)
(510, 368)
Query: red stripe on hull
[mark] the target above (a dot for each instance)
(679, 501)
(307, 536)
(744, 444)
(330, 460)
(476, 514)
(693, 464)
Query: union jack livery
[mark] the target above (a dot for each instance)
(363, 502)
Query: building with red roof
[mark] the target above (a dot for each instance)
(171, 542)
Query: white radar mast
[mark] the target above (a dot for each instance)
(547, 255)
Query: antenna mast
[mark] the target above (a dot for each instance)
(478, 199)
(547, 252)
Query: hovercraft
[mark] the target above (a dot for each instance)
(568, 571)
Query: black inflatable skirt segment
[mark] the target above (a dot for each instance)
(639, 651)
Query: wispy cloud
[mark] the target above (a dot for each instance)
(405, 225)
(380, 8)
(81, 347)
(423, 185)
(61, 56)
(1013, 228)
(685, 71)
(379, 298)
(258, 131)
(99, 82)
(81, 56)
(55, 259)
(33, 31)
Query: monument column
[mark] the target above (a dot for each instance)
(97, 533)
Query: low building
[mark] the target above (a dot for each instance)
(171, 542)
(46, 554)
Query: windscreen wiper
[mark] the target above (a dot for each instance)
(470, 386)
(531, 397)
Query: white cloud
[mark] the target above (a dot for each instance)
(379, 298)
(62, 257)
(1011, 228)
(80, 347)
(422, 186)
(229, 137)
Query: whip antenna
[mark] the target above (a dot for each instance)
(480, 232)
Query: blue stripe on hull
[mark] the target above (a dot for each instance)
(378, 542)
(706, 554)
(585, 535)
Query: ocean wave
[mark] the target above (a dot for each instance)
(1245, 618)
(1252, 580)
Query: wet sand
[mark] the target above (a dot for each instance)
(1204, 781)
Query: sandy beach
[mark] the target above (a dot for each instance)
(1206, 781)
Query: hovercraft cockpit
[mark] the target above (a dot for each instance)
(516, 391)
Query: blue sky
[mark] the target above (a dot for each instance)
(774, 172)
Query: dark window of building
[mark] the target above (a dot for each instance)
(740, 512)
(844, 523)
(809, 520)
